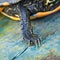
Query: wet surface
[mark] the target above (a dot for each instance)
(11, 39)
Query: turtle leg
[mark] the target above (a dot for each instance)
(27, 31)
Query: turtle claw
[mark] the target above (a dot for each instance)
(37, 41)
(34, 39)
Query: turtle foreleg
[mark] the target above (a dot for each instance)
(27, 31)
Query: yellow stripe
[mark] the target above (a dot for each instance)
(18, 19)
(13, 18)
(1, 9)
(5, 4)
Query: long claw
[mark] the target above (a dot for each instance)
(39, 42)
(29, 44)
(36, 44)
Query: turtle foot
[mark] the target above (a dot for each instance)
(33, 40)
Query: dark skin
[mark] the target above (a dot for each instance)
(43, 14)
(39, 14)
(27, 30)
(35, 16)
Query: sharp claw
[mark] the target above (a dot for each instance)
(35, 40)
(28, 43)
(36, 44)
(39, 42)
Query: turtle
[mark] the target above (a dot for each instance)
(25, 10)
(15, 16)
(27, 31)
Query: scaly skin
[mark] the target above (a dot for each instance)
(48, 6)
(35, 16)
(26, 27)
(28, 10)
(36, 7)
